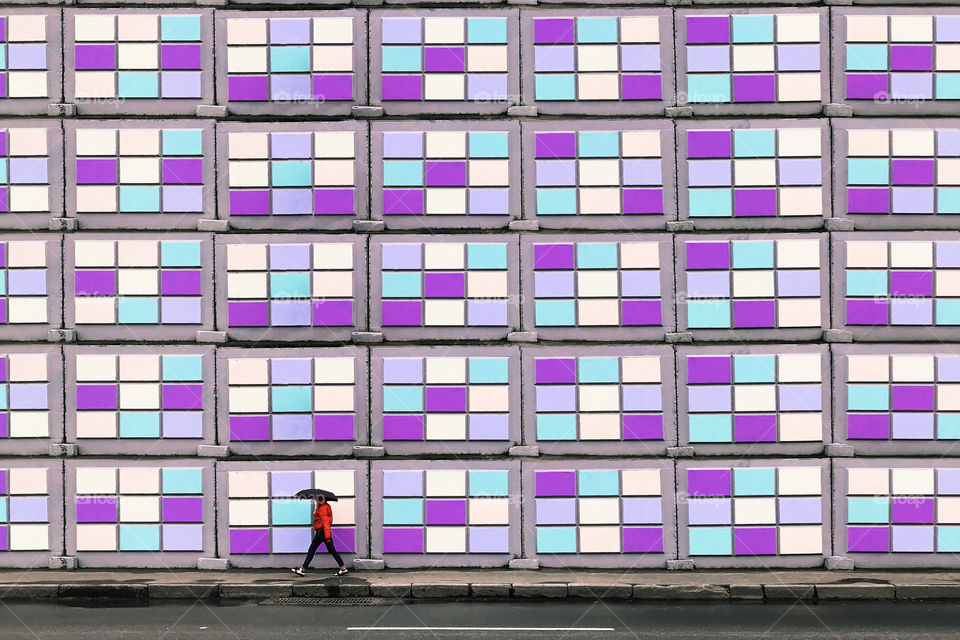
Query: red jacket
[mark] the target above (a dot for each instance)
(323, 519)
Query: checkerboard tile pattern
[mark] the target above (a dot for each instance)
(27, 170)
(25, 64)
(25, 509)
(599, 511)
(753, 57)
(25, 390)
(265, 518)
(23, 282)
(754, 511)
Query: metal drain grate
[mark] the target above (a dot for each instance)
(336, 602)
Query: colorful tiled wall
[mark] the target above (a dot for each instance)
(572, 285)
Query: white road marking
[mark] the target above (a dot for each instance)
(480, 629)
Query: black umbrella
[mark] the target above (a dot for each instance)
(316, 493)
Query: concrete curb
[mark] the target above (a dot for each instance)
(449, 590)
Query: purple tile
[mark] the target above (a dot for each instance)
(443, 285)
(554, 370)
(180, 56)
(912, 510)
(875, 200)
(395, 87)
(182, 509)
(912, 172)
(708, 482)
(709, 144)
(708, 369)
(249, 541)
(3, 482)
(755, 428)
(96, 509)
(555, 483)
(333, 87)
(755, 541)
(446, 512)
(867, 86)
(183, 396)
(448, 173)
(641, 87)
(96, 171)
(333, 202)
(708, 255)
(866, 312)
(708, 29)
(407, 540)
(403, 201)
(401, 313)
(637, 313)
(344, 539)
(397, 427)
(754, 313)
(643, 201)
(800, 510)
(332, 313)
(95, 283)
(443, 59)
(182, 171)
(180, 283)
(445, 399)
(553, 31)
(243, 88)
(247, 314)
(911, 57)
(246, 203)
(754, 88)
(94, 56)
(249, 428)
(642, 427)
(868, 539)
(912, 398)
(868, 426)
(642, 540)
(553, 256)
(96, 396)
(755, 202)
(555, 145)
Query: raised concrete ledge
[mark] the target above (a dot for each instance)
(611, 591)
(789, 591)
(61, 335)
(349, 590)
(674, 226)
(206, 224)
(838, 224)
(440, 590)
(678, 337)
(522, 110)
(64, 563)
(928, 592)
(362, 451)
(524, 563)
(864, 591)
(212, 451)
(61, 110)
(212, 337)
(29, 592)
(837, 336)
(522, 336)
(62, 450)
(680, 565)
(211, 3)
(529, 451)
(838, 563)
(492, 590)
(680, 452)
(62, 224)
(836, 110)
(540, 590)
(681, 592)
(837, 450)
(746, 592)
(368, 226)
(366, 337)
(110, 591)
(213, 564)
(250, 591)
(211, 110)
(684, 111)
(838, 3)
(390, 590)
(367, 3)
(366, 111)
(183, 591)
(369, 564)
(311, 590)
(524, 225)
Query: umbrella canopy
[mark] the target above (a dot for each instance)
(316, 493)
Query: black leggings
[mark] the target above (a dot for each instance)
(315, 544)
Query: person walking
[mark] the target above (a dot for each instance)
(322, 522)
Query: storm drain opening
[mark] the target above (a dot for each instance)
(335, 602)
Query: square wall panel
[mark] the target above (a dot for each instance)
(31, 273)
(759, 61)
(156, 400)
(152, 513)
(262, 524)
(31, 512)
(754, 513)
(893, 513)
(444, 60)
(433, 400)
(598, 61)
(31, 393)
(31, 180)
(754, 400)
(606, 400)
(897, 61)
(440, 175)
(138, 60)
(31, 68)
(293, 401)
(274, 289)
(902, 286)
(754, 174)
(753, 287)
(301, 63)
(597, 287)
(897, 399)
(148, 288)
(899, 174)
(587, 174)
(599, 513)
(449, 287)
(445, 513)
(140, 174)
(288, 175)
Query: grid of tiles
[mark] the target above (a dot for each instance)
(753, 57)
(902, 397)
(446, 173)
(444, 284)
(137, 282)
(587, 398)
(137, 56)
(902, 56)
(139, 171)
(748, 398)
(902, 283)
(291, 398)
(145, 395)
(758, 172)
(291, 173)
(754, 511)
(448, 398)
(24, 509)
(903, 510)
(446, 511)
(23, 63)
(587, 172)
(24, 172)
(290, 285)
(264, 517)
(903, 171)
(597, 284)
(23, 282)
(449, 58)
(592, 58)
(290, 59)
(122, 509)
(599, 511)
(24, 396)
(753, 284)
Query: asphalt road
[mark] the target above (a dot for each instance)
(555, 620)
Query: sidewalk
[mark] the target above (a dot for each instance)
(246, 584)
